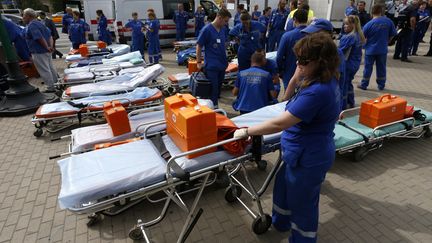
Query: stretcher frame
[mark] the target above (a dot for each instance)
(207, 176)
(370, 143)
(56, 124)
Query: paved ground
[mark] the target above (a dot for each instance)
(385, 198)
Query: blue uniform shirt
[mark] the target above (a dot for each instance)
(136, 26)
(286, 59)
(181, 19)
(423, 19)
(66, 20)
(318, 107)
(154, 25)
(77, 29)
(278, 19)
(249, 41)
(351, 47)
(103, 24)
(254, 86)
(378, 31)
(271, 67)
(264, 20)
(16, 36)
(213, 43)
(199, 19)
(34, 31)
(237, 19)
(290, 25)
(351, 10)
(256, 15)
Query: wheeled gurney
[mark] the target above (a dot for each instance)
(118, 84)
(121, 174)
(54, 117)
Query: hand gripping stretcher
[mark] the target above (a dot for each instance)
(54, 117)
(119, 84)
(121, 174)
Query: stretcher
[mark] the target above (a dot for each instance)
(181, 45)
(132, 57)
(114, 50)
(119, 84)
(99, 181)
(54, 117)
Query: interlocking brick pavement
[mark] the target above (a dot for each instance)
(385, 198)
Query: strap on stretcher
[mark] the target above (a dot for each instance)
(365, 138)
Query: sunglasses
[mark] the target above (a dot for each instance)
(303, 61)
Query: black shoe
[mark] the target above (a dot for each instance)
(414, 54)
(61, 56)
(380, 88)
(396, 58)
(406, 60)
(361, 87)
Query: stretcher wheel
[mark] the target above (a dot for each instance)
(260, 226)
(136, 233)
(38, 132)
(262, 165)
(94, 219)
(232, 192)
(360, 154)
(427, 133)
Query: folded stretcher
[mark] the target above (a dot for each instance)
(119, 84)
(121, 173)
(54, 117)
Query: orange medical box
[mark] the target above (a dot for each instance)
(101, 44)
(190, 125)
(117, 117)
(83, 50)
(385, 109)
(192, 66)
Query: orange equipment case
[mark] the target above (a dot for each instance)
(117, 117)
(101, 44)
(382, 110)
(192, 66)
(190, 125)
(83, 50)
(29, 69)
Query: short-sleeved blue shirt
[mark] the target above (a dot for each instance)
(213, 44)
(181, 19)
(318, 108)
(136, 26)
(256, 15)
(378, 31)
(351, 47)
(249, 41)
(264, 20)
(153, 35)
(77, 29)
(254, 86)
(34, 31)
(278, 19)
(271, 67)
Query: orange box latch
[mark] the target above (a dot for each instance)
(117, 117)
(190, 125)
(382, 110)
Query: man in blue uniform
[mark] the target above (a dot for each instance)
(271, 67)
(180, 18)
(277, 25)
(102, 29)
(240, 8)
(199, 20)
(377, 32)
(66, 20)
(406, 22)
(249, 35)
(286, 60)
(16, 36)
(212, 39)
(78, 30)
(39, 41)
(137, 33)
(253, 87)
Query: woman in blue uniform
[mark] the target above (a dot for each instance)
(137, 33)
(307, 138)
(249, 35)
(351, 45)
(199, 20)
(153, 38)
(277, 25)
(103, 33)
(78, 30)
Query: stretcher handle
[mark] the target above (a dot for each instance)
(412, 119)
(145, 110)
(69, 153)
(153, 124)
(60, 138)
(180, 173)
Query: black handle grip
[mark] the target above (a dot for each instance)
(55, 156)
(55, 139)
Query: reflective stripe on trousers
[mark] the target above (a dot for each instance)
(307, 234)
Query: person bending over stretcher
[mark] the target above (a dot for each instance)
(254, 86)
(307, 139)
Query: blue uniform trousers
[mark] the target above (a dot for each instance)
(403, 44)
(349, 89)
(418, 35)
(381, 62)
(343, 90)
(295, 200)
(138, 44)
(216, 77)
(153, 51)
(105, 36)
(180, 34)
(244, 58)
(273, 39)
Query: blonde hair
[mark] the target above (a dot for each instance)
(353, 19)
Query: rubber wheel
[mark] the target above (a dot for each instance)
(231, 193)
(38, 132)
(360, 154)
(136, 234)
(262, 165)
(259, 226)
(428, 132)
(94, 219)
